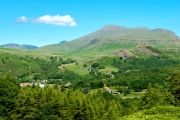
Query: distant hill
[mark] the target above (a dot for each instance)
(63, 41)
(12, 45)
(111, 38)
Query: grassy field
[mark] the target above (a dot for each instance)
(133, 95)
(78, 68)
(75, 68)
(113, 88)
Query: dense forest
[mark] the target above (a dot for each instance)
(53, 103)
(68, 95)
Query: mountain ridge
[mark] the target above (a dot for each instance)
(116, 37)
(24, 46)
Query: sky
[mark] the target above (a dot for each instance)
(44, 22)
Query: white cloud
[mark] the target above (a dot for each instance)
(72, 24)
(22, 19)
(66, 20)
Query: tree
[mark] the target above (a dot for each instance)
(25, 105)
(174, 82)
(121, 58)
(95, 65)
(112, 113)
(153, 97)
(8, 94)
(85, 65)
(79, 114)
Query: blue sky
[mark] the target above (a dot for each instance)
(43, 22)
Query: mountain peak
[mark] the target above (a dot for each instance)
(143, 28)
(115, 31)
(112, 26)
(164, 31)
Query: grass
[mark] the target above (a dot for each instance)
(40, 54)
(109, 69)
(156, 113)
(133, 95)
(77, 69)
(104, 61)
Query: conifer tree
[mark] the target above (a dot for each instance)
(174, 82)
(153, 97)
(8, 94)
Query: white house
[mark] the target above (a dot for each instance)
(106, 89)
(41, 85)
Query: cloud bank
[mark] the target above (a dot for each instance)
(66, 20)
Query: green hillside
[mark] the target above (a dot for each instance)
(112, 38)
(162, 56)
(28, 65)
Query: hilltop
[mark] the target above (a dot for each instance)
(112, 38)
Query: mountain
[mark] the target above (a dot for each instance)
(114, 31)
(111, 38)
(12, 45)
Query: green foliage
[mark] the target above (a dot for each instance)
(174, 82)
(95, 65)
(85, 65)
(139, 64)
(153, 96)
(8, 95)
(68, 61)
(26, 67)
(156, 113)
(139, 78)
(50, 103)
